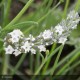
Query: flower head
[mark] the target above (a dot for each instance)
(9, 49)
(47, 34)
(62, 40)
(16, 35)
(59, 29)
(26, 47)
(16, 52)
(16, 43)
(42, 48)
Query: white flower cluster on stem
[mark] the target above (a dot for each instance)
(16, 43)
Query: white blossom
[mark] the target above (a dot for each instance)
(16, 52)
(62, 40)
(42, 48)
(15, 35)
(9, 49)
(47, 34)
(31, 38)
(33, 51)
(59, 29)
(73, 15)
(26, 46)
(73, 19)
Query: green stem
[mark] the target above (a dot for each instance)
(31, 62)
(77, 5)
(45, 60)
(68, 57)
(43, 17)
(17, 72)
(69, 62)
(37, 61)
(1, 4)
(18, 64)
(20, 13)
(72, 67)
(47, 64)
(65, 9)
(6, 57)
(5, 64)
(49, 4)
(64, 60)
(44, 3)
(56, 61)
(6, 11)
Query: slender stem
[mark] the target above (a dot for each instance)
(69, 62)
(44, 3)
(43, 17)
(56, 61)
(68, 57)
(77, 5)
(1, 4)
(5, 64)
(65, 9)
(20, 13)
(49, 4)
(47, 64)
(17, 72)
(19, 25)
(31, 62)
(45, 60)
(64, 60)
(6, 57)
(37, 61)
(6, 11)
(72, 67)
(18, 64)
(42, 57)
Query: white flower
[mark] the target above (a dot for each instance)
(47, 34)
(73, 15)
(59, 29)
(15, 35)
(33, 51)
(31, 38)
(42, 48)
(14, 40)
(9, 50)
(73, 26)
(62, 40)
(26, 46)
(16, 52)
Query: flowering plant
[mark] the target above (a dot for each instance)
(16, 43)
(40, 38)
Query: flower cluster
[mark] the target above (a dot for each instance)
(11, 42)
(16, 43)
